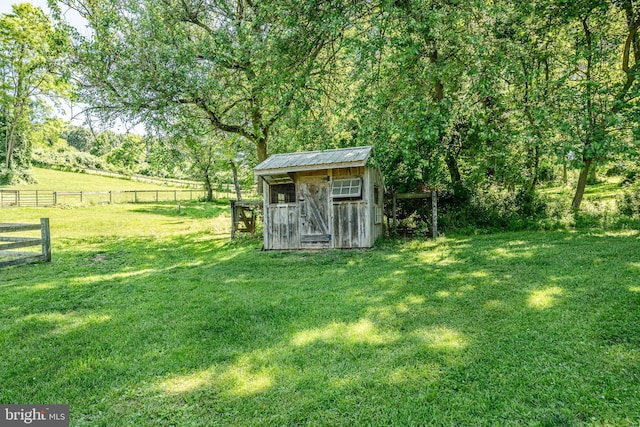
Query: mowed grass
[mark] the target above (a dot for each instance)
(147, 316)
(49, 179)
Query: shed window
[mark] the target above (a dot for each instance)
(378, 204)
(351, 187)
(282, 193)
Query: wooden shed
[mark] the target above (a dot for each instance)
(321, 199)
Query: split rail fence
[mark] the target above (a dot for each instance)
(8, 244)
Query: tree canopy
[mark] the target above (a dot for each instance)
(455, 94)
(31, 55)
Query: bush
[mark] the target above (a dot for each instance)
(67, 160)
(490, 209)
(629, 171)
(12, 176)
(629, 203)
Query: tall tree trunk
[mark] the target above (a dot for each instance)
(11, 137)
(208, 185)
(451, 155)
(236, 183)
(534, 164)
(584, 172)
(261, 149)
(452, 166)
(582, 183)
(593, 178)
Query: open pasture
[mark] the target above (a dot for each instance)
(147, 316)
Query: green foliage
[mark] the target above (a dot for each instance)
(451, 94)
(68, 160)
(629, 202)
(78, 137)
(490, 209)
(239, 64)
(32, 52)
(129, 155)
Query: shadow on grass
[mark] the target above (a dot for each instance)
(513, 328)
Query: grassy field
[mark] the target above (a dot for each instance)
(147, 316)
(49, 179)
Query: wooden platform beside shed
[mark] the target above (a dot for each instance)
(244, 216)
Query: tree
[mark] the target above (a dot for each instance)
(79, 138)
(31, 53)
(129, 155)
(241, 63)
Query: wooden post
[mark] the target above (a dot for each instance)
(394, 211)
(81, 197)
(45, 234)
(233, 218)
(37, 204)
(434, 213)
(110, 197)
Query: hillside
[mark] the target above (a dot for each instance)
(48, 179)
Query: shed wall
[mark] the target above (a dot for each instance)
(351, 222)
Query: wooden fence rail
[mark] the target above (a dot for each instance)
(36, 198)
(9, 257)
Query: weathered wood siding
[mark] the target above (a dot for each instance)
(374, 179)
(318, 220)
(281, 227)
(350, 225)
(313, 200)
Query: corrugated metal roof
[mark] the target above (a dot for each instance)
(310, 160)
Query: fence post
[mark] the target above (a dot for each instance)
(55, 198)
(81, 197)
(110, 197)
(393, 208)
(434, 213)
(45, 234)
(18, 198)
(156, 196)
(37, 204)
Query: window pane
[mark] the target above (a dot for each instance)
(282, 193)
(347, 187)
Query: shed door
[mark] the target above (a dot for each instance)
(313, 197)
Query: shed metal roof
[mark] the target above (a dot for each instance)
(313, 160)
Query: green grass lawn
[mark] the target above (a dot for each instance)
(151, 317)
(49, 179)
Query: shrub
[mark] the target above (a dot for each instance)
(490, 209)
(629, 202)
(12, 176)
(67, 160)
